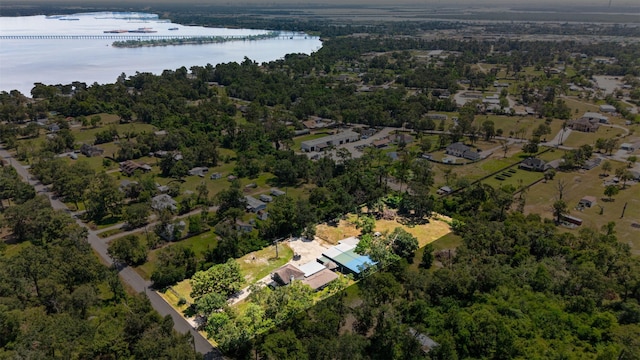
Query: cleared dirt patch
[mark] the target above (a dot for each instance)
(426, 233)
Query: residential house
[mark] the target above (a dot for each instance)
(584, 125)
(381, 143)
(320, 279)
(90, 150)
(129, 167)
(461, 150)
(286, 274)
(457, 149)
(596, 117)
(533, 164)
(163, 201)
(172, 232)
(315, 122)
(254, 205)
(124, 184)
(402, 138)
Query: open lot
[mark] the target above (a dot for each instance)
(425, 233)
(577, 138)
(588, 183)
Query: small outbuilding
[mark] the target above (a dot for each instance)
(628, 147)
(444, 190)
(277, 192)
(587, 201)
(607, 108)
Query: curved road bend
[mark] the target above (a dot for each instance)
(127, 274)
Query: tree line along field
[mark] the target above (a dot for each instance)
(500, 238)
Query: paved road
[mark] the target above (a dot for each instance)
(127, 274)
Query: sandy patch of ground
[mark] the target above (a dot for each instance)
(436, 228)
(307, 250)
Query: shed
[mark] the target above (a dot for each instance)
(607, 108)
(444, 190)
(425, 341)
(266, 198)
(198, 171)
(628, 147)
(587, 201)
(277, 192)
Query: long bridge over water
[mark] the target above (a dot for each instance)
(121, 37)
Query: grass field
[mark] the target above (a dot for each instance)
(517, 179)
(579, 184)
(577, 138)
(258, 264)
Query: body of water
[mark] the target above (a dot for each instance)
(24, 62)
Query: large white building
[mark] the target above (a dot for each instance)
(331, 140)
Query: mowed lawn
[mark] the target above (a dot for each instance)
(541, 196)
(253, 266)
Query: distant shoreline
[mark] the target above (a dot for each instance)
(196, 40)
